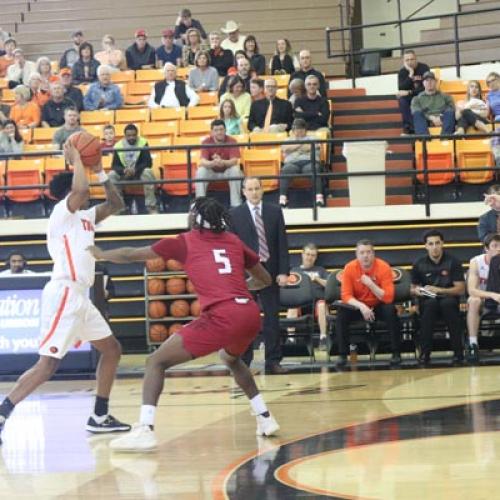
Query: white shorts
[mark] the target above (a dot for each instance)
(68, 319)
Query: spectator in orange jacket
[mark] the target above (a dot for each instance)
(367, 293)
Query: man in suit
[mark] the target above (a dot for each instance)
(271, 114)
(489, 222)
(261, 227)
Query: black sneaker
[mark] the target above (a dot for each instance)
(473, 354)
(396, 359)
(457, 360)
(110, 424)
(342, 360)
(424, 359)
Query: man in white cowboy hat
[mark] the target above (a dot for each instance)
(235, 39)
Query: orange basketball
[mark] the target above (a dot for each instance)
(176, 286)
(156, 287)
(88, 146)
(179, 308)
(174, 328)
(174, 265)
(157, 309)
(158, 332)
(155, 265)
(195, 308)
(190, 287)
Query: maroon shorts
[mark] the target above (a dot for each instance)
(228, 325)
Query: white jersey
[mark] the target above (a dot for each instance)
(483, 269)
(68, 236)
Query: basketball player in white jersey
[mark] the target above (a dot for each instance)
(68, 315)
(477, 278)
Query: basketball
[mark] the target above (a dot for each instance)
(158, 333)
(156, 287)
(179, 308)
(155, 265)
(157, 309)
(174, 328)
(195, 308)
(174, 265)
(88, 146)
(190, 287)
(176, 286)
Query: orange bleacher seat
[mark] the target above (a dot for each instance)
(203, 113)
(8, 96)
(175, 167)
(26, 134)
(54, 66)
(95, 130)
(453, 87)
(149, 75)
(188, 140)
(282, 93)
(160, 141)
(4, 83)
(160, 129)
(257, 137)
(43, 135)
(282, 80)
(183, 73)
(24, 172)
(194, 127)
(138, 92)
(168, 114)
(120, 129)
(475, 153)
(123, 76)
(439, 156)
(31, 148)
(257, 162)
(132, 115)
(208, 98)
(54, 165)
(98, 117)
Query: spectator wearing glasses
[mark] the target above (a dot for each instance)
(313, 108)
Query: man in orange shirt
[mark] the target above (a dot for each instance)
(367, 292)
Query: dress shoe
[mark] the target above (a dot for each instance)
(275, 369)
(458, 360)
(424, 359)
(396, 359)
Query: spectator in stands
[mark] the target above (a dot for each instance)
(257, 89)
(8, 58)
(11, 140)
(4, 109)
(318, 276)
(70, 91)
(110, 55)
(236, 93)
(243, 73)
(306, 69)
(53, 110)
(192, 47)
(296, 89)
(71, 55)
(183, 23)
(297, 161)
(71, 125)
(271, 114)
(168, 52)
(84, 69)
(220, 163)
(493, 100)
(432, 107)
(222, 59)
(44, 69)
(38, 94)
(235, 40)
(257, 60)
(489, 222)
(477, 278)
(109, 138)
(409, 85)
(313, 108)
(24, 112)
(16, 263)
(438, 283)
(231, 119)
(367, 290)
(472, 111)
(19, 73)
(140, 55)
(172, 93)
(134, 164)
(203, 78)
(284, 62)
(103, 94)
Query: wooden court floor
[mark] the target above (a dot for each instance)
(393, 434)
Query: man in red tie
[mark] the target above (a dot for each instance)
(261, 227)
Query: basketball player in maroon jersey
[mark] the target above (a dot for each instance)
(215, 261)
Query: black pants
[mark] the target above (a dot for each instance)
(469, 118)
(383, 312)
(405, 108)
(269, 300)
(448, 309)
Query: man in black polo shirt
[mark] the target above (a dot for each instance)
(438, 282)
(53, 109)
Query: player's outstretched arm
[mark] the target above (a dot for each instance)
(259, 277)
(114, 202)
(80, 185)
(123, 255)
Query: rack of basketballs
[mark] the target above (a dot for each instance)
(169, 298)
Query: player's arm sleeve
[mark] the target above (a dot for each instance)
(171, 248)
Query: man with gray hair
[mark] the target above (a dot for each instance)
(171, 92)
(53, 109)
(221, 59)
(103, 94)
(307, 69)
(313, 108)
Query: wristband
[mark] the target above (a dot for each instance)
(102, 176)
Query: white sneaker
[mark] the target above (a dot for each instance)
(267, 426)
(140, 439)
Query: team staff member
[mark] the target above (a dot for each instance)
(17, 265)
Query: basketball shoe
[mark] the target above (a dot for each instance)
(139, 440)
(106, 423)
(267, 426)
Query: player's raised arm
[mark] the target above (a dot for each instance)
(123, 255)
(259, 277)
(80, 185)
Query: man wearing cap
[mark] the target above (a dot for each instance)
(20, 72)
(432, 107)
(235, 40)
(71, 55)
(221, 59)
(53, 109)
(184, 22)
(70, 91)
(140, 55)
(169, 52)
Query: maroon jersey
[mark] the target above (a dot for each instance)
(214, 262)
